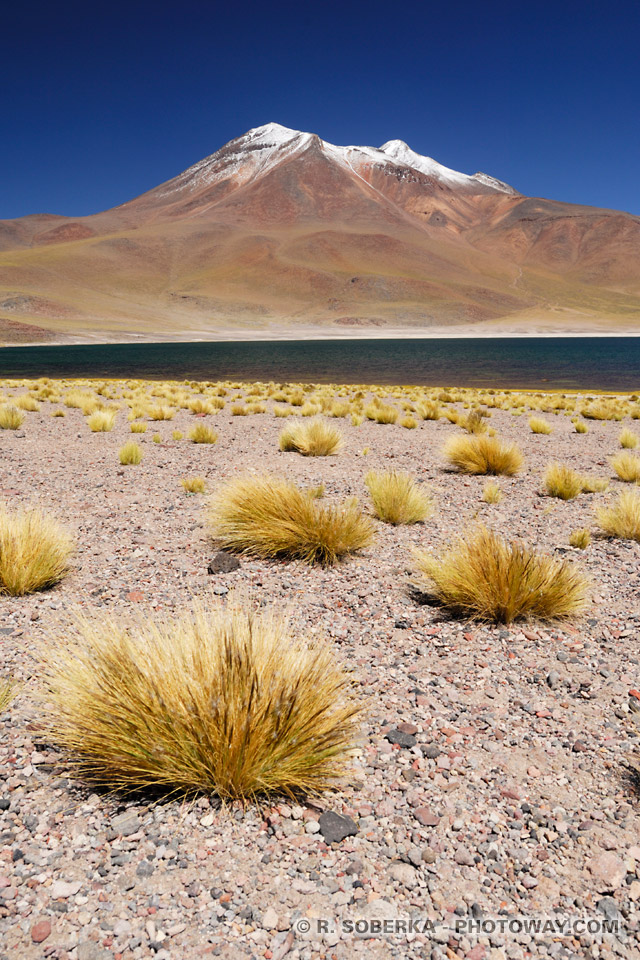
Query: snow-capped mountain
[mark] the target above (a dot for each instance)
(279, 229)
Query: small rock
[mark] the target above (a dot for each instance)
(464, 857)
(426, 817)
(144, 869)
(61, 890)
(432, 751)
(270, 919)
(40, 931)
(223, 562)
(608, 871)
(334, 827)
(404, 873)
(402, 739)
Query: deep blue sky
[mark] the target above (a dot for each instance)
(100, 103)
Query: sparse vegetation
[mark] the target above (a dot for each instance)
(177, 434)
(223, 701)
(397, 498)
(491, 492)
(130, 454)
(628, 439)
(627, 467)
(580, 538)
(562, 482)
(35, 551)
(273, 518)
(488, 578)
(193, 484)
(10, 417)
(102, 421)
(622, 518)
(201, 433)
(581, 426)
(482, 454)
(313, 439)
(381, 413)
(538, 425)
(139, 426)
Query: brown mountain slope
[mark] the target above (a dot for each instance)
(280, 233)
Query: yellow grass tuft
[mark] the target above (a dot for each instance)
(381, 413)
(130, 454)
(622, 518)
(602, 410)
(628, 439)
(58, 413)
(482, 454)
(225, 701)
(491, 492)
(139, 427)
(627, 467)
(356, 419)
(10, 417)
(488, 578)
(271, 518)
(313, 439)
(8, 690)
(581, 426)
(193, 484)
(201, 433)
(26, 402)
(409, 423)
(177, 434)
(397, 498)
(580, 538)
(429, 410)
(594, 485)
(34, 552)
(562, 482)
(538, 425)
(157, 438)
(102, 421)
(473, 423)
(161, 413)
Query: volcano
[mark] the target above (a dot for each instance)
(281, 234)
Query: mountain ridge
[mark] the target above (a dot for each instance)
(279, 231)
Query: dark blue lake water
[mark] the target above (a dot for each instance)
(589, 363)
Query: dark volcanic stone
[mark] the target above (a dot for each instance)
(401, 738)
(334, 827)
(223, 562)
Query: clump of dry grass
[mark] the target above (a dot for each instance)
(381, 413)
(562, 482)
(272, 518)
(102, 421)
(489, 578)
(138, 427)
(8, 690)
(628, 439)
(161, 413)
(602, 410)
(193, 484)
(26, 402)
(313, 439)
(429, 410)
(177, 434)
(201, 433)
(156, 438)
(581, 426)
(594, 485)
(409, 423)
(482, 454)
(491, 492)
(473, 422)
(10, 417)
(34, 552)
(357, 419)
(580, 538)
(130, 454)
(225, 701)
(538, 425)
(622, 518)
(397, 498)
(240, 410)
(627, 467)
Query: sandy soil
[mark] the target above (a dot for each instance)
(512, 793)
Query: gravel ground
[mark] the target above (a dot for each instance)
(493, 778)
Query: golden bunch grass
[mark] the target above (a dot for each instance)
(594, 485)
(224, 701)
(580, 426)
(139, 427)
(488, 578)
(409, 423)
(627, 467)
(157, 438)
(580, 538)
(198, 405)
(34, 552)
(282, 411)
(193, 484)
(201, 433)
(177, 434)
(8, 690)
(628, 439)
(310, 409)
(482, 454)
(240, 410)
(381, 413)
(58, 413)
(602, 410)
(10, 417)
(26, 402)
(161, 413)
(622, 518)
(130, 454)
(538, 425)
(317, 492)
(473, 423)
(102, 421)
(562, 482)
(397, 498)
(491, 492)
(271, 518)
(313, 439)
(429, 410)
(340, 408)
(356, 419)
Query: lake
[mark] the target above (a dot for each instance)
(569, 363)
